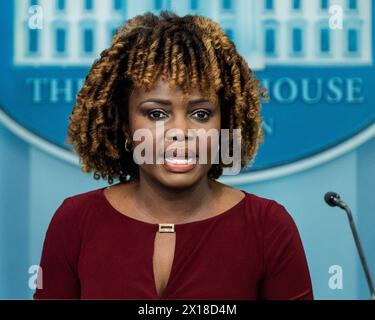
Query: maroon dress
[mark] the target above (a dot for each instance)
(250, 251)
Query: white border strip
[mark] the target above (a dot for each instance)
(243, 178)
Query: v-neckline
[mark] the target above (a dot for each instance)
(177, 226)
(171, 273)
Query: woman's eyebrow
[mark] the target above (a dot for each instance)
(200, 100)
(168, 102)
(158, 100)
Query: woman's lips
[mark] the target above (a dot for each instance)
(180, 164)
(174, 167)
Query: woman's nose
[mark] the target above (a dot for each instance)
(176, 134)
(178, 129)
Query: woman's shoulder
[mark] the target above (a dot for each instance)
(72, 216)
(269, 212)
(258, 208)
(254, 204)
(85, 199)
(74, 208)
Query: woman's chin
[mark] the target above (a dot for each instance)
(180, 177)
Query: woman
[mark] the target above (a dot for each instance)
(169, 230)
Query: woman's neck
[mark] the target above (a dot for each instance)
(171, 205)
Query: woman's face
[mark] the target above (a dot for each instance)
(170, 109)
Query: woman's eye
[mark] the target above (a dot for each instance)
(156, 115)
(201, 115)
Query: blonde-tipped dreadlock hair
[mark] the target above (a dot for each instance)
(192, 52)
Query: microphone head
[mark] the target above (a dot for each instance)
(331, 198)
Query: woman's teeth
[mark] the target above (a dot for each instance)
(180, 161)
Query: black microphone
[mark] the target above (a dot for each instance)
(333, 200)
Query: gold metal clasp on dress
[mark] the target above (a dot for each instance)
(166, 227)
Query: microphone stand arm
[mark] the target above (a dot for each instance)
(359, 248)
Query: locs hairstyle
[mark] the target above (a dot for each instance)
(191, 51)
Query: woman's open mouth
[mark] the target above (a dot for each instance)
(180, 164)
